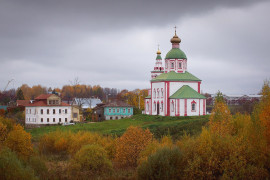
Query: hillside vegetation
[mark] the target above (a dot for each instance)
(158, 125)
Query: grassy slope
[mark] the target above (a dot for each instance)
(157, 124)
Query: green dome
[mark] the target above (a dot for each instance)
(176, 53)
(158, 57)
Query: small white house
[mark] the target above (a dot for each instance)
(47, 109)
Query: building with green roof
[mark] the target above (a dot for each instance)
(174, 91)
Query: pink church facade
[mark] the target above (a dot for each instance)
(174, 91)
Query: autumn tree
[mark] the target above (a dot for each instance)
(220, 118)
(262, 111)
(130, 145)
(19, 141)
(20, 95)
(27, 92)
(90, 160)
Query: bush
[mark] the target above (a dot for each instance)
(12, 168)
(130, 145)
(165, 164)
(38, 165)
(19, 141)
(55, 142)
(90, 160)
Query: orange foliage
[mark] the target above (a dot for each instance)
(130, 145)
(19, 141)
(2, 112)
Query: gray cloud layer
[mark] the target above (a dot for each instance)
(112, 43)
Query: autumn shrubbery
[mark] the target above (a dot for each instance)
(61, 142)
(90, 161)
(165, 164)
(130, 145)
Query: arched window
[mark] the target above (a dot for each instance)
(155, 107)
(162, 92)
(157, 93)
(193, 106)
(172, 106)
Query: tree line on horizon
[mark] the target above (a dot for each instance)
(75, 90)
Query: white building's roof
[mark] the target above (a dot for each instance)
(87, 102)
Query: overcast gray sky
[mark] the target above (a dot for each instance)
(113, 43)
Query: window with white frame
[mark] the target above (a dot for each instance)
(129, 110)
(161, 106)
(154, 93)
(172, 65)
(110, 110)
(162, 92)
(172, 106)
(118, 110)
(157, 93)
(113, 110)
(41, 111)
(124, 110)
(180, 65)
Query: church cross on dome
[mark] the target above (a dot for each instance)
(175, 29)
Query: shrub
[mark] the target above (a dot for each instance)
(130, 145)
(165, 164)
(12, 168)
(39, 167)
(55, 142)
(19, 141)
(151, 148)
(90, 160)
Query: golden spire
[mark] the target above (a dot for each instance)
(175, 38)
(158, 52)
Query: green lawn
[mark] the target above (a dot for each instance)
(158, 125)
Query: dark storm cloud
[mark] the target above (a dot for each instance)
(41, 40)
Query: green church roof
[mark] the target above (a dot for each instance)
(186, 92)
(176, 53)
(158, 57)
(173, 76)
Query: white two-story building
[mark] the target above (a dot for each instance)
(47, 109)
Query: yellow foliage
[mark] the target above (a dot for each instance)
(264, 110)
(220, 119)
(151, 148)
(238, 156)
(19, 141)
(3, 133)
(130, 145)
